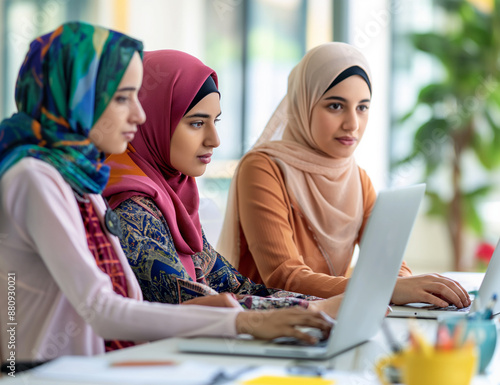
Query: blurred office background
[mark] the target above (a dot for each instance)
(253, 45)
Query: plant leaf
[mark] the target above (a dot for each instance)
(434, 93)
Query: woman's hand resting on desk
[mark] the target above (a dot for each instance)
(270, 324)
(430, 288)
(330, 306)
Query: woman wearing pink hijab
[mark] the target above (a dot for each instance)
(153, 190)
(298, 202)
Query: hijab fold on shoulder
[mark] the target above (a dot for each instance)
(171, 82)
(61, 91)
(327, 191)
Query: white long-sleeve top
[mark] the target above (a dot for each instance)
(64, 304)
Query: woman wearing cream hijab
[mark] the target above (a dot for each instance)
(299, 202)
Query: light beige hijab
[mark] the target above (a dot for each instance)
(328, 191)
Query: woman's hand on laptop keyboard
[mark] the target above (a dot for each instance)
(430, 288)
(270, 324)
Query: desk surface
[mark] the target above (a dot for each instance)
(359, 362)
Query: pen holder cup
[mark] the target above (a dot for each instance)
(484, 334)
(417, 367)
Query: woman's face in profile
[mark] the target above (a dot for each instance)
(339, 119)
(195, 137)
(117, 125)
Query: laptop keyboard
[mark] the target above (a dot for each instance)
(450, 308)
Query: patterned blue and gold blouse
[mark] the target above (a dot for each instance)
(150, 250)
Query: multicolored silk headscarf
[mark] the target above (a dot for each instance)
(171, 81)
(65, 83)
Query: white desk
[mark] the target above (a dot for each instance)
(359, 361)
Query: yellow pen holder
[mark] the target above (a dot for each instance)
(451, 367)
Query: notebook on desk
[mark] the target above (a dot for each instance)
(381, 253)
(490, 285)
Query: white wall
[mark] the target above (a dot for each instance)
(370, 32)
(169, 24)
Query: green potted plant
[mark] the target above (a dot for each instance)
(462, 116)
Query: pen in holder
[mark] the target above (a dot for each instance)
(424, 363)
(482, 331)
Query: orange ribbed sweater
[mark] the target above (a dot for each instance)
(276, 246)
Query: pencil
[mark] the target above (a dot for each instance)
(143, 363)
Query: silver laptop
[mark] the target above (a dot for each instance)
(374, 277)
(490, 285)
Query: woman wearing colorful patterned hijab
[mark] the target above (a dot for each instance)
(63, 87)
(77, 95)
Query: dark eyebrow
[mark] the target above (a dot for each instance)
(200, 115)
(344, 100)
(336, 98)
(126, 89)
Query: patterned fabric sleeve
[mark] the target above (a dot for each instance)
(222, 274)
(150, 250)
